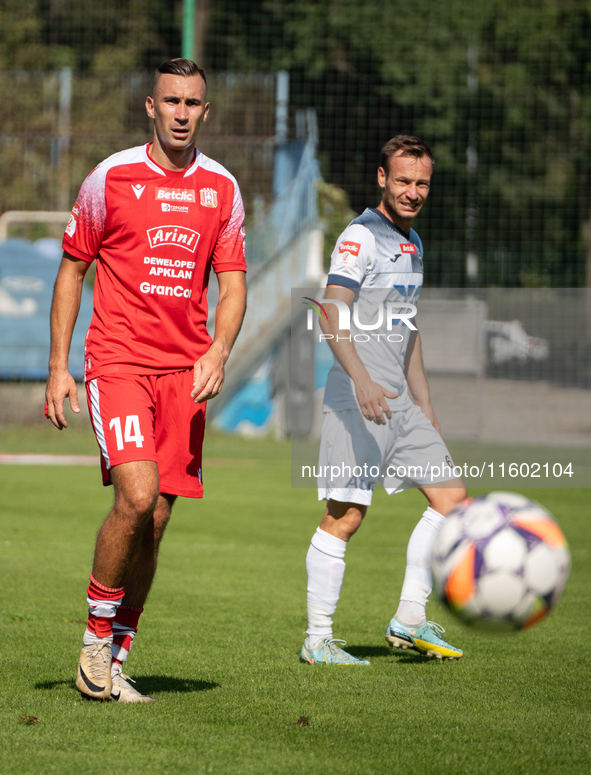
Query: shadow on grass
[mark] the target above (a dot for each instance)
(153, 684)
(365, 652)
(56, 684)
(412, 658)
(402, 657)
(148, 684)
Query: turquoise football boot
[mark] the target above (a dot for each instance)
(423, 637)
(328, 653)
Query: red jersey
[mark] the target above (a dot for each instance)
(155, 234)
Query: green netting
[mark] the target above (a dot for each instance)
(500, 90)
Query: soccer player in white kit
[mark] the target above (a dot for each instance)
(372, 428)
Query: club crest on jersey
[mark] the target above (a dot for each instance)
(348, 252)
(208, 197)
(179, 236)
(408, 247)
(175, 194)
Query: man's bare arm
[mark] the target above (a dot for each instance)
(65, 306)
(370, 395)
(416, 379)
(208, 376)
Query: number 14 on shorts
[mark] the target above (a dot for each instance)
(132, 431)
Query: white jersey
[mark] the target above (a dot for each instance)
(383, 265)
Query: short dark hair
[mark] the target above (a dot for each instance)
(409, 145)
(178, 66)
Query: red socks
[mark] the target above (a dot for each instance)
(102, 607)
(124, 630)
(108, 619)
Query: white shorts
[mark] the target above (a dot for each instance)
(355, 454)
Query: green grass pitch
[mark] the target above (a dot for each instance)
(219, 642)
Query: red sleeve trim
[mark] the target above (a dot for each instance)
(72, 251)
(230, 266)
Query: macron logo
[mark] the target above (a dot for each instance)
(173, 235)
(138, 189)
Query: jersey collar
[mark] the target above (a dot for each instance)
(190, 170)
(389, 223)
(171, 173)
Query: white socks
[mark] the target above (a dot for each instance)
(325, 568)
(89, 637)
(417, 579)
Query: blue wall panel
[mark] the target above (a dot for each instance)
(27, 274)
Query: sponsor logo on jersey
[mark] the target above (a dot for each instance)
(208, 197)
(71, 227)
(175, 194)
(179, 236)
(168, 208)
(408, 247)
(138, 189)
(348, 252)
(350, 247)
(396, 257)
(166, 290)
(166, 267)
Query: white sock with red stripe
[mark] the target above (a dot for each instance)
(325, 568)
(417, 578)
(124, 631)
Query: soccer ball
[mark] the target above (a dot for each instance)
(500, 562)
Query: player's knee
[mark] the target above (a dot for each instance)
(343, 519)
(139, 501)
(144, 502)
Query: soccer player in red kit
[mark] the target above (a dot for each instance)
(157, 219)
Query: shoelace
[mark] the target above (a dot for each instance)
(121, 674)
(97, 661)
(437, 628)
(332, 645)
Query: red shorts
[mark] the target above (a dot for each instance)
(150, 417)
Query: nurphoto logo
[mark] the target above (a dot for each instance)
(391, 313)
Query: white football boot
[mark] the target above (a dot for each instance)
(122, 691)
(93, 679)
